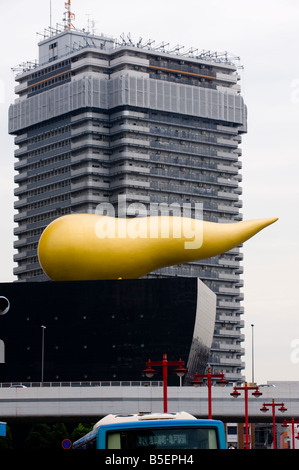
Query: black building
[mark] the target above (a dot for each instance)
(103, 330)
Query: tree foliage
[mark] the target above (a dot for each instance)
(43, 435)
(46, 437)
(80, 431)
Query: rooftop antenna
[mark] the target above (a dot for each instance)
(68, 16)
(88, 22)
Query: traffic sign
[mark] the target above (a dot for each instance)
(66, 444)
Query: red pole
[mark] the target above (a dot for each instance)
(246, 416)
(164, 368)
(292, 423)
(282, 408)
(293, 433)
(273, 414)
(149, 372)
(209, 376)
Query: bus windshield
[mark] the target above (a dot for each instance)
(166, 438)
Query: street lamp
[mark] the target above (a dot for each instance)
(43, 351)
(264, 409)
(149, 372)
(196, 382)
(256, 394)
(292, 422)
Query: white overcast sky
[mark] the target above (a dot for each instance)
(265, 35)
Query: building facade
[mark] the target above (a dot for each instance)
(104, 330)
(97, 121)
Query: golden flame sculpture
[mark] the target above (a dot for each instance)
(97, 247)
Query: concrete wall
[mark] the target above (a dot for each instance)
(94, 402)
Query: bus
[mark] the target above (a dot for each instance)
(154, 431)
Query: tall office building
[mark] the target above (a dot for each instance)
(97, 120)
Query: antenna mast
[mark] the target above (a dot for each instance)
(68, 16)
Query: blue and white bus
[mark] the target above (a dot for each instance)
(154, 431)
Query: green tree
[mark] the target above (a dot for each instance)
(80, 431)
(39, 437)
(59, 433)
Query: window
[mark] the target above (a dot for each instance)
(179, 438)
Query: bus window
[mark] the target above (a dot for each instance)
(166, 438)
(113, 440)
(212, 439)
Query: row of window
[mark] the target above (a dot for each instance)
(51, 81)
(29, 247)
(48, 148)
(49, 69)
(45, 161)
(49, 174)
(49, 188)
(28, 275)
(177, 78)
(30, 260)
(202, 136)
(48, 201)
(165, 157)
(45, 216)
(32, 233)
(48, 134)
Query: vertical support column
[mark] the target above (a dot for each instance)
(164, 366)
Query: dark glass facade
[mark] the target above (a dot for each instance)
(101, 330)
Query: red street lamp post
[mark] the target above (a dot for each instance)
(265, 409)
(256, 394)
(292, 422)
(180, 371)
(196, 382)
